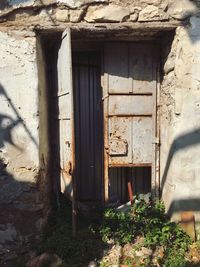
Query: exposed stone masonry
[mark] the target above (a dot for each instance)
(38, 11)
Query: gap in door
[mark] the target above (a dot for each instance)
(88, 125)
(139, 178)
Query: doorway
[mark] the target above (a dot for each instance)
(115, 92)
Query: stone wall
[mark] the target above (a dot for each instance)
(40, 12)
(23, 141)
(180, 122)
(20, 205)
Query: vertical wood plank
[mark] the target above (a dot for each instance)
(106, 145)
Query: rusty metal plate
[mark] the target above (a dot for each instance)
(120, 129)
(130, 105)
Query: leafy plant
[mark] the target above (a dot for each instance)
(117, 226)
(147, 219)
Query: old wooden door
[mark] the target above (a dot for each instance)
(65, 113)
(130, 106)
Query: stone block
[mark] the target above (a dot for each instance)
(75, 15)
(62, 15)
(152, 13)
(110, 13)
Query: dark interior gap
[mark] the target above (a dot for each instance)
(140, 178)
(88, 125)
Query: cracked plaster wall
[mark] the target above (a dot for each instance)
(180, 122)
(180, 96)
(20, 205)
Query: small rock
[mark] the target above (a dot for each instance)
(62, 15)
(195, 259)
(110, 13)
(147, 251)
(143, 253)
(152, 13)
(128, 251)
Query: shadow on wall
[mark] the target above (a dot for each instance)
(181, 142)
(7, 124)
(17, 201)
(179, 205)
(19, 197)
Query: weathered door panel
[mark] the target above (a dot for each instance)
(142, 145)
(119, 71)
(131, 73)
(141, 68)
(65, 111)
(130, 105)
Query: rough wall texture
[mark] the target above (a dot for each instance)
(56, 11)
(20, 205)
(180, 127)
(21, 149)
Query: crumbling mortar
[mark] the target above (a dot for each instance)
(8, 14)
